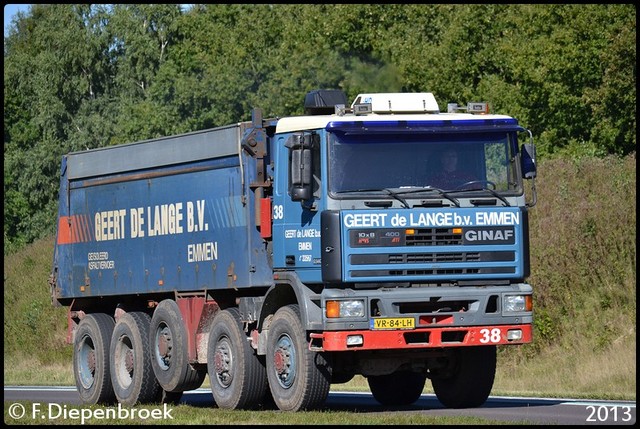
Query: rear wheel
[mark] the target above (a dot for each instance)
(131, 373)
(399, 388)
(238, 379)
(299, 378)
(91, 359)
(469, 380)
(170, 352)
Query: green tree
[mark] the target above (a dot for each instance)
(566, 78)
(53, 65)
(80, 76)
(142, 36)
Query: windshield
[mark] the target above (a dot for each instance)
(450, 162)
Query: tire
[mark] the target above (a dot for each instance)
(471, 382)
(169, 350)
(299, 379)
(131, 373)
(399, 388)
(91, 359)
(238, 379)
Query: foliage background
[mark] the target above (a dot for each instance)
(81, 76)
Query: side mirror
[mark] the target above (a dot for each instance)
(528, 160)
(301, 166)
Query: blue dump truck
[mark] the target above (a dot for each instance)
(281, 256)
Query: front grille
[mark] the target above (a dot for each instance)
(433, 237)
(432, 272)
(432, 258)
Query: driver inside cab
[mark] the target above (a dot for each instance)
(450, 177)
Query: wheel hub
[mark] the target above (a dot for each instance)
(284, 361)
(164, 345)
(91, 361)
(128, 361)
(222, 364)
(281, 361)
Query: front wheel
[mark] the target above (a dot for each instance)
(469, 381)
(299, 378)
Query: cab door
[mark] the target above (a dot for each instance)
(297, 204)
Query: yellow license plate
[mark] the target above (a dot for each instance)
(393, 323)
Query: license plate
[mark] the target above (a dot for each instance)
(393, 323)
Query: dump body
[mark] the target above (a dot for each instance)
(169, 214)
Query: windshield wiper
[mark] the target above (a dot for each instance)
(439, 191)
(417, 190)
(491, 191)
(395, 194)
(389, 192)
(397, 197)
(497, 195)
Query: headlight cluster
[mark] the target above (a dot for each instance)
(347, 308)
(517, 303)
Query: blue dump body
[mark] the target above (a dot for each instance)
(161, 213)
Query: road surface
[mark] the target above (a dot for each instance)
(530, 410)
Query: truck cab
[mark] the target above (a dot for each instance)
(393, 256)
(377, 169)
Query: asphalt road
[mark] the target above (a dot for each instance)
(531, 410)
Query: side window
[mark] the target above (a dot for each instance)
(497, 163)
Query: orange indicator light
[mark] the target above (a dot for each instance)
(333, 309)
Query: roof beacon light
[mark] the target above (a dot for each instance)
(482, 108)
(421, 102)
(478, 108)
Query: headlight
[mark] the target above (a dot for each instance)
(352, 308)
(517, 303)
